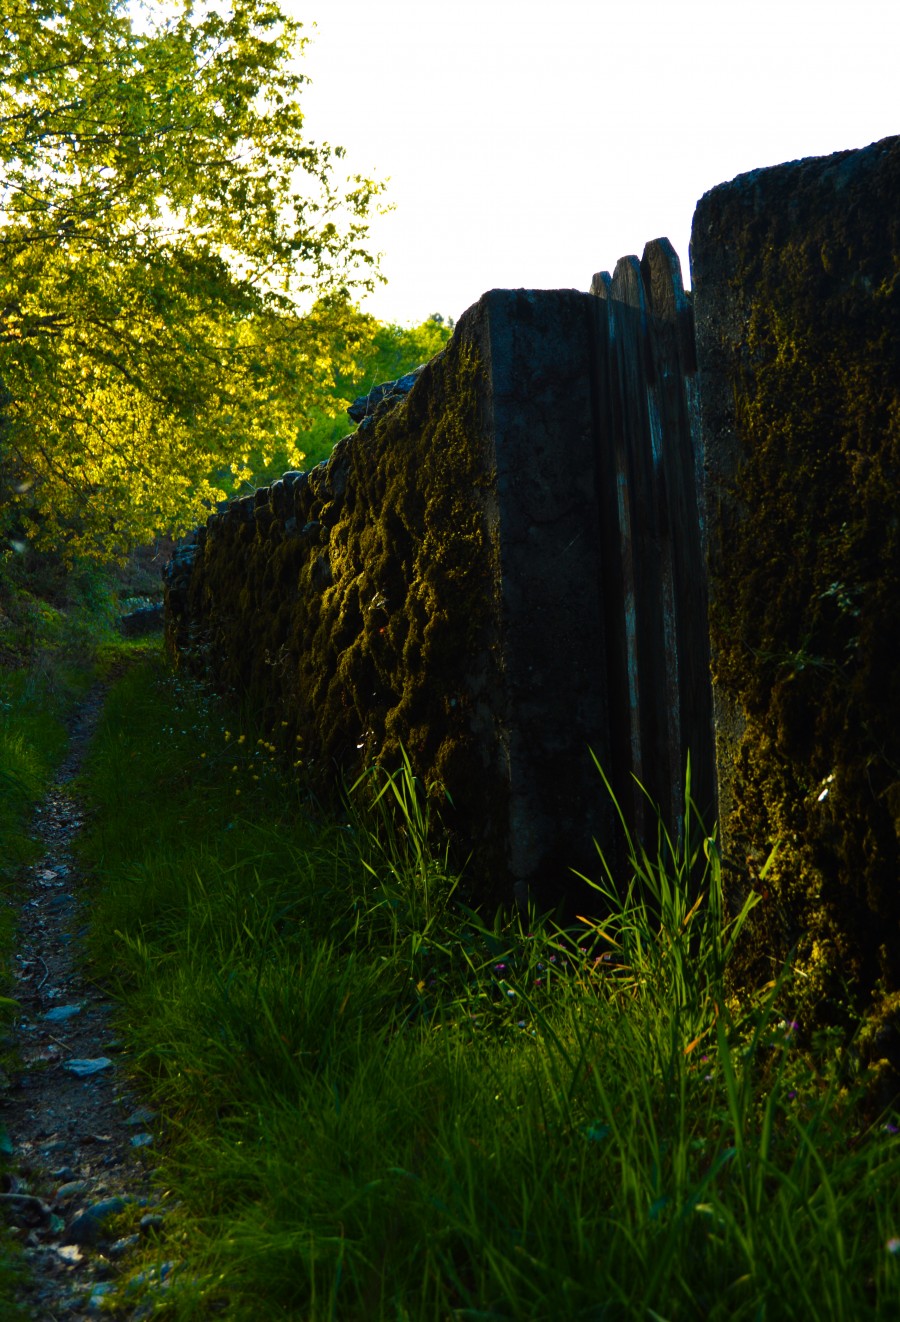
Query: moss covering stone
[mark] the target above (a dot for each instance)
(354, 607)
(797, 299)
(435, 585)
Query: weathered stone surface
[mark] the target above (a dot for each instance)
(142, 621)
(439, 588)
(87, 1226)
(382, 397)
(797, 303)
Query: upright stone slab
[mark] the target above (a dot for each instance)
(538, 348)
(436, 584)
(796, 274)
(654, 585)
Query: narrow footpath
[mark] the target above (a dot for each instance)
(77, 1191)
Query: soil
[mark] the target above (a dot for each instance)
(79, 1178)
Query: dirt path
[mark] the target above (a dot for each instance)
(78, 1193)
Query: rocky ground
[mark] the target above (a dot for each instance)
(77, 1188)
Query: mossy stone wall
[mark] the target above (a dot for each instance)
(796, 274)
(436, 584)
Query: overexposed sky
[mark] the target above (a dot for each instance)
(531, 144)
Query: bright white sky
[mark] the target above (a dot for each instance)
(531, 144)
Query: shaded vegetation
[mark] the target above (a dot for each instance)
(50, 622)
(378, 1104)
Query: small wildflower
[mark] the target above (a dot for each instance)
(203, 755)
(234, 768)
(242, 738)
(499, 968)
(891, 1128)
(227, 734)
(893, 1247)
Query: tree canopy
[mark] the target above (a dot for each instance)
(177, 261)
(391, 352)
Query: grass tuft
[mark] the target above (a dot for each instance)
(381, 1104)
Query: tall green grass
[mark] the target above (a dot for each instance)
(376, 1103)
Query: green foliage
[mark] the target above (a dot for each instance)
(176, 260)
(390, 352)
(380, 1105)
(668, 932)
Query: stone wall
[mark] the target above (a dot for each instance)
(505, 566)
(796, 274)
(451, 580)
(435, 584)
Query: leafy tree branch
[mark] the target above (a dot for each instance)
(177, 261)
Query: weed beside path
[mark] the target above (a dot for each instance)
(378, 1106)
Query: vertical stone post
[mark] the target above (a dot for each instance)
(797, 303)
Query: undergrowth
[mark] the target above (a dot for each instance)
(378, 1104)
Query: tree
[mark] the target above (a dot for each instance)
(389, 352)
(176, 259)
